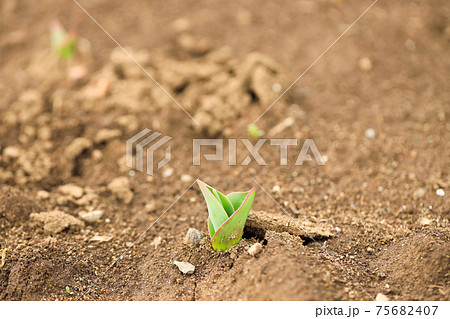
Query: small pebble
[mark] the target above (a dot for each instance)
(424, 221)
(97, 155)
(91, 217)
(150, 207)
(381, 297)
(193, 237)
(370, 133)
(276, 189)
(255, 249)
(420, 192)
(167, 172)
(185, 267)
(10, 153)
(276, 87)
(186, 178)
(440, 192)
(42, 194)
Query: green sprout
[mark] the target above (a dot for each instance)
(68, 290)
(254, 132)
(227, 215)
(64, 43)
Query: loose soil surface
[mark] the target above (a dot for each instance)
(370, 221)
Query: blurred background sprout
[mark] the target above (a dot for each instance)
(63, 43)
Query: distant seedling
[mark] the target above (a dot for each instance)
(68, 290)
(254, 132)
(227, 215)
(63, 43)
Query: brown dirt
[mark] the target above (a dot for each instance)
(373, 213)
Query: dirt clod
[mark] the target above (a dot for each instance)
(121, 189)
(56, 221)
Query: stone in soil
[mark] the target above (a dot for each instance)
(193, 237)
(185, 267)
(381, 297)
(150, 207)
(91, 217)
(186, 178)
(42, 194)
(424, 221)
(10, 153)
(168, 172)
(420, 192)
(255, 249)
(370, 133)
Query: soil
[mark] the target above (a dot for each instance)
(370, 221)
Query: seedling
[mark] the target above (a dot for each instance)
(68, 290)
(227, 215)
(254, 132)
(64, 43)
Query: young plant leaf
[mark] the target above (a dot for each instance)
(217, 213)
(230, 233)
(236, 199)
(227, 205)
(211, 229)
(64, 43)
(236, 206)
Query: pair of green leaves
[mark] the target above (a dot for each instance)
(227, 215)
